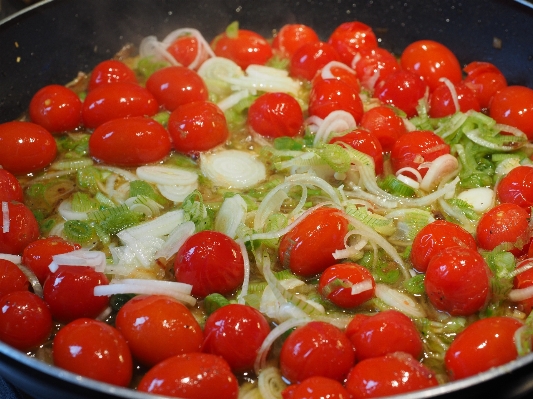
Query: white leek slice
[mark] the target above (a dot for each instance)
(233, 168)
(175, 240)
(5, 217)
(230, 215)
(16, 259)
(176, 193)
(439, 168)
(166, 175)
(66, 212)
(481, 198)
(399, 300)
(158, 227)
(336, 121)
(80, 257)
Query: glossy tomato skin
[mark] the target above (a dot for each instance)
(235, 326)
(517, 187)
(316, 388)
(349, 38)
(352, 274)
(184, 50)
(131, 141)
(276, 115)
(117, 100)
(111, 71)
(56, 108)
(211, 262)
(316, 349)
(340, 72)
(93, 349)
(25, 147)
(23, 229)
(432, 61)
(485, 79)
(176, 85)
(197, 126)
(291, 37)
(331, 95)
(384, 124)
(10, 188)
(458, 281)
(69, 292)
(435, 237)
(388, 375)
(513, 105)
(12, 278)
(441, 102)
(307, 249)
(375, 65)
(365, 142)
(245, 48)
(524, 280)
(311, 57)
(484, 344)
(25, 320)
(192, 375)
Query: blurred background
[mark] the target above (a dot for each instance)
(8, 7)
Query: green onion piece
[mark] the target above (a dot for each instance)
(78, 231)
(102, 235)
(286, 143)
(279, 62)
(182, 161)
(162, 118)
(103, 200)
(196, 211)
(232, 31)
(334, 285)
(379, 223)
(284, 275)
(144, 189)
(36, 190)
(214, 301)
(81, 202)
(257, 287)
(87, 178)
(148, 65)
(113, 220)
(394, 186)
(384, 273)
(415, 285)
(116, 301)
(335, 156)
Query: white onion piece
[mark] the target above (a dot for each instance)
(204, 49)
(481, 198)
(326, 71)
(66, 212)
(119, 171)
(158, 227)
(336, 121)
(215, 72)
(233, 99)
(270, 383)
(411, 170)
(230, 215)
(144, 205)
(318, 182)
(233, 168)
(509, 129)
(505, 166)
(166, 175)
(151, 47)
(362, 286)
(175, 240)
(143, 249)
(16, 259)
(407, 180)
(400, 301)
(440, 167)
(270, 204)
(5, 217)
(521, 294)
(264, 78)
(176, 193)
(246, 280)
(80, 257)
(453, 93)
(32, 278)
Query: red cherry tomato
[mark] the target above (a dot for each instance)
(291, 37)
(158, 327)
(513, 105)
(441, 102)
(336, 284)
(458, 281)
(316, 388)
(176, 85)
(111, 71)
(10, 188)
(307, 249)
(243, 47)
(365, 142)
(340, 72)
(130, 141)
(517, 187)
(484, 344)
(276, 115)
(374, 65)
(311, 57)
(485, 79)
(505, 223)
(192, 375)
(524, 280)
(11, 278)
(197, 126)
(185, 50)
(330, 95)
(93, 349)
(117, 100)
(69, 292)
(385, 333)
(349, 38)
(384, 124)
(211, 262)
(235, 326)
(432, 61)
(402, 89)
(25, 320)
(39, 254)
(56, 108)
(25, 147)
(388, 375)
(23, 229)
(316, 349)
(435, 237)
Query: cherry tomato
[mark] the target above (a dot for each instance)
(384, 124)
(39, 254)
(291, 37)
(56, 108)
(513, 105)
(374, 65)
(10, 188)
(316, 388)
(435, 237)
(340, 72)
(458, 281)
(157, 327)
(131, 141)
(331, 95)
(441, 102)
(117, 100)
(504, 224)
(192, 375)
(93, 349)
(517, 187)
(485, 79)
(243, 47)
(197, 126)
(185, 50)
(349, 38)
(69, 292)
(316, 349)
(385, 333)
(12, 278)
(402, 89)
(365, 142)
(414, 148)
(337, 281)
(176, 85)
(311, 57)
(432, 61)
(25, 320)
(307, 249)
(111, 71)
(23, 229)
(276, 115)
(524, 280)
(388, 375)
(211, 262)
(484, 344)
(25, 147)
(235, 326)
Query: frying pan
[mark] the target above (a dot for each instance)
(53, 40)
